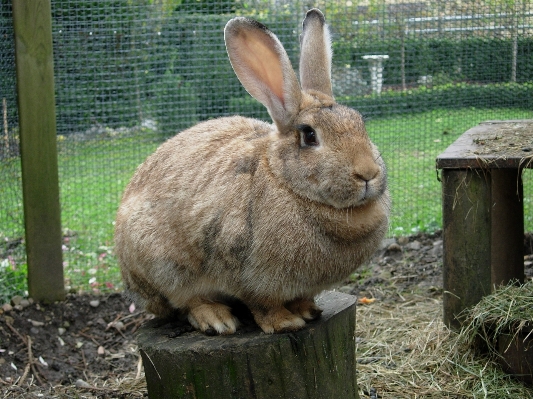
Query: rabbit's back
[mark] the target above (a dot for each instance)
(192, 192)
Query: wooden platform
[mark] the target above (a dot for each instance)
(483, 217)
(314, 363)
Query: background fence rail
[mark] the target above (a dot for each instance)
(129, 74)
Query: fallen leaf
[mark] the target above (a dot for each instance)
(367, 301)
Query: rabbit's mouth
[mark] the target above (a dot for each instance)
(354, 194)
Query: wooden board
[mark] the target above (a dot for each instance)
(516, 352)
(491, 144)
(466, 199)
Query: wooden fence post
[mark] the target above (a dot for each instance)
(36, 105)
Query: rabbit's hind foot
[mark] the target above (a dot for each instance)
(305, 308)
(212, 318)
(277, 320)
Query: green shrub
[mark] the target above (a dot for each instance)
(450, 96)
(175, 104)
(475, 59)
(250, 107)
(422, 99)
(95, 80)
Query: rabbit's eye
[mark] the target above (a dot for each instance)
(308, 135)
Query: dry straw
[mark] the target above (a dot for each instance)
(509, 310)
(405, 351)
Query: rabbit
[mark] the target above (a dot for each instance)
(267, 214)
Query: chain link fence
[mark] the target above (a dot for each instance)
(130, 74)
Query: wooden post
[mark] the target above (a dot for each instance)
(507, 249)
(483, 215)
(317, 362)
(36, 106)
(466, 202)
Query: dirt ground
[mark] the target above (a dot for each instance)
(85, 346)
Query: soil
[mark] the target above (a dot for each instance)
(85, 346)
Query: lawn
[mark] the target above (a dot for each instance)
(410, 145)
(94, 171)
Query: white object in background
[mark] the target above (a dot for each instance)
(375, 64)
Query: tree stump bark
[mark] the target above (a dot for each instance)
(315, 363)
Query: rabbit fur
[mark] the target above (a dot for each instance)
(270, 214)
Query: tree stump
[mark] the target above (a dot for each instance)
(315, 363)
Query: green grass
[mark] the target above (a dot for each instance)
(94, 172)
(12, 279)
(410, 144)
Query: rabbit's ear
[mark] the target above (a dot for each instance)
(263, 67)
(315, 55)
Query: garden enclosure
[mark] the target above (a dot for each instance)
(131, 73)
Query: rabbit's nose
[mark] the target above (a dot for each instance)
(367, 174)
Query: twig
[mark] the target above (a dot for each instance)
(109, 325)
(90, 337)
(36, 374)
(24, 375)
(137, 322)
(17, 333)
(132, 315)
(121, 333)
(93, 388)
(139, 367)
(30, 365)
(30, 361)
(84, 360)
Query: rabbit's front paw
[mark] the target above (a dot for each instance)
(213, 318)
(277, 320)
(305, 308)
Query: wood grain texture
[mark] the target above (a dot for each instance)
(473, 148)
(466, 201)
(36, 105)
(507, 218)
(315, 363)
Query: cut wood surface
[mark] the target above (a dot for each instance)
(491, 144)
(317, 362)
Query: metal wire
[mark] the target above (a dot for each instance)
(130, 74)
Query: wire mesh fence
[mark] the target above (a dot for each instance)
(130, 74)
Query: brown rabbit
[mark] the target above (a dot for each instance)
(268, 214)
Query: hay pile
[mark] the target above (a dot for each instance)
(508, 311)
(405, 351)
(510, 308)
